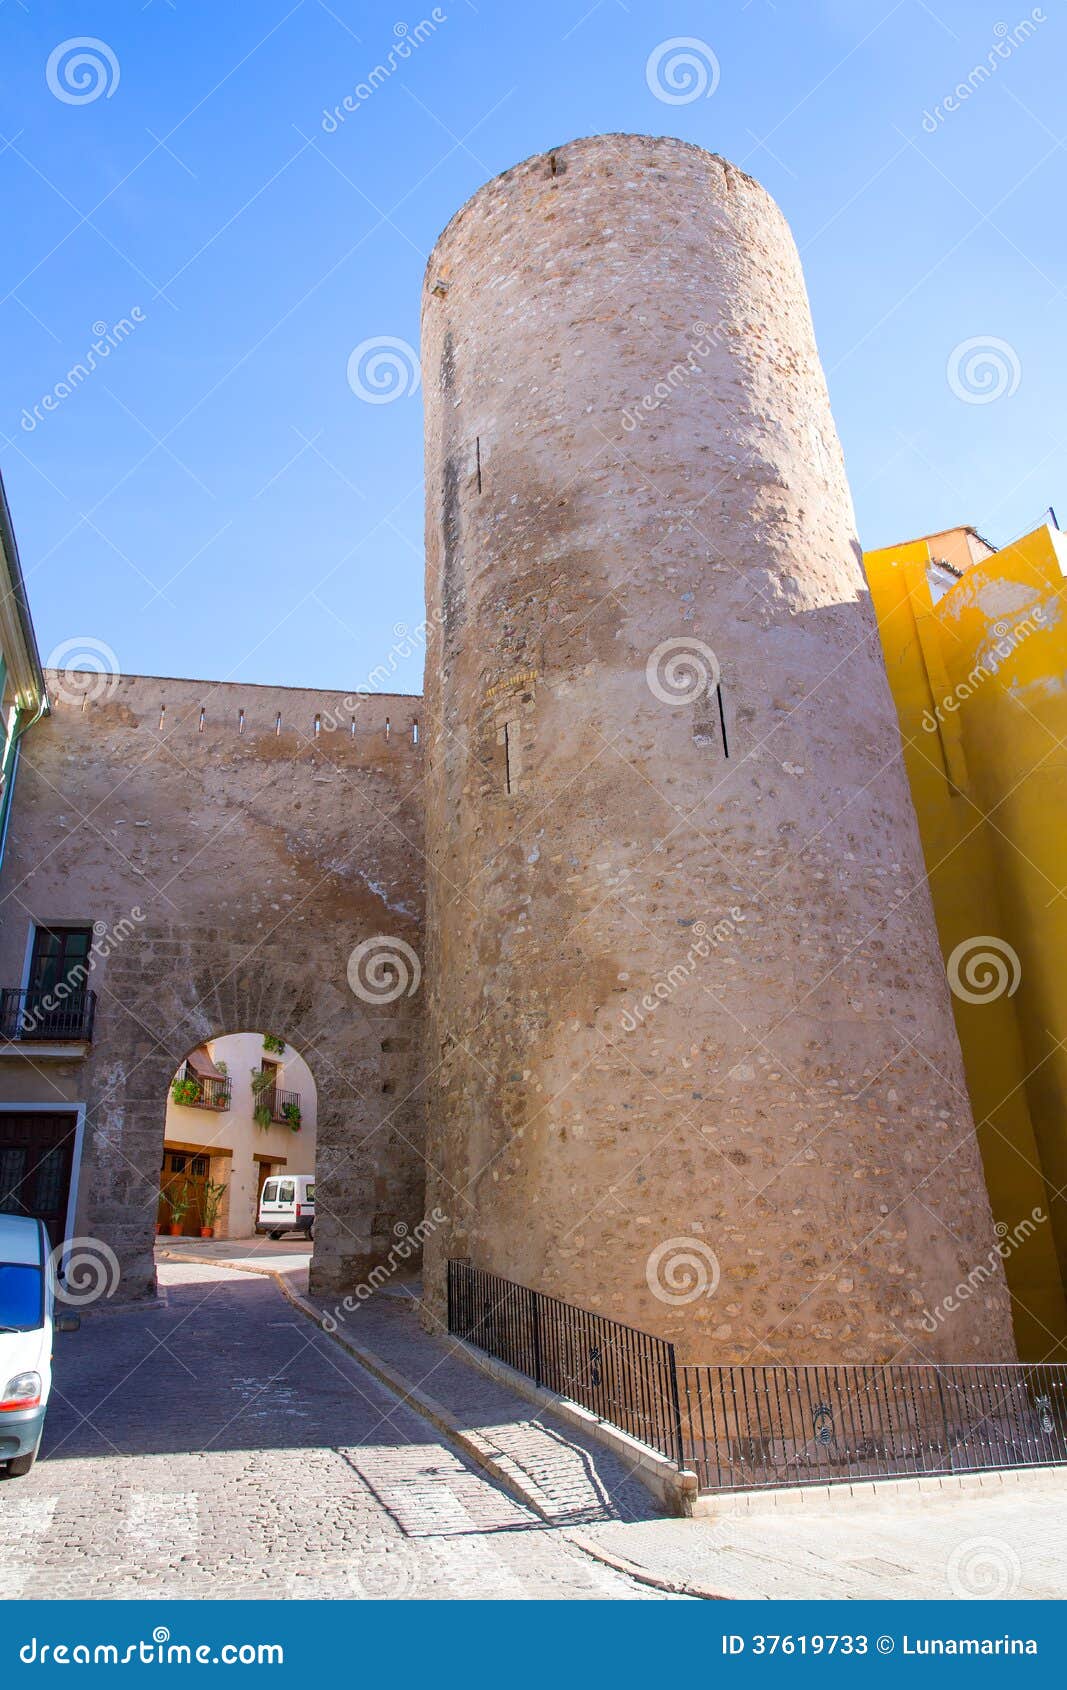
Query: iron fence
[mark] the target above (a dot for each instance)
(754, 1427)
(622, 1375)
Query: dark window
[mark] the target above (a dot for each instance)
(60, 957)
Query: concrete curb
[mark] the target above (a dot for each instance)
(677, 1491)
(477, 1449)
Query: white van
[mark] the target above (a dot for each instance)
(27, 1320)
(287, 1204)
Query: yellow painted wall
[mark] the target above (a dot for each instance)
(980, 684)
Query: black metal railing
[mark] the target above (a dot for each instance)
(209, 1093)
(278, 1102)
(57, 1013)
(622, 1375)
(753, 1427)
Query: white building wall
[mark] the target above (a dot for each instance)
(234, 1129)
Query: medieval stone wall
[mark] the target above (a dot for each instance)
(230, 854)
(691, 1059)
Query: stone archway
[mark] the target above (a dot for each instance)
(196, 987)
(229, 847)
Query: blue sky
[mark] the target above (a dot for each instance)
(215, 500)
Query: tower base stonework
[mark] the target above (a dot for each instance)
(691, 1056)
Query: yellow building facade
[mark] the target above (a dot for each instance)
(975, 644)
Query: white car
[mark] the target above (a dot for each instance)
(287, 1205)
(27, 1320)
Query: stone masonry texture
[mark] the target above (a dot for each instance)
(691, 1059)
(229, 865)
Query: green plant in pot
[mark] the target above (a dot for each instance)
(274, 1044)
(178, 1202)
(184, 1089)
(291, 1113)
(211, 1203)
(263, 1080)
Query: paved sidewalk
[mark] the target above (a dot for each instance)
(1001, 1536)
(992, 1535)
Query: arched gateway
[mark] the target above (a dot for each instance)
(188, 859)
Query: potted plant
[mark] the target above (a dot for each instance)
(263, 1080)
(178, 1201)
(291, 1113)
(184, 1089)
(210, 1205)
(274, 1044)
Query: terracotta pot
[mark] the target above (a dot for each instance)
(175, 1229)
(207, 1232)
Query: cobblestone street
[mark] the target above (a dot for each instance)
(221, 1447)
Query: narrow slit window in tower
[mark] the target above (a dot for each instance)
(722, 719)
(512, 760)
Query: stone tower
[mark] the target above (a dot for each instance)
(692, 1061)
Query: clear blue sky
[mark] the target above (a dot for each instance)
(216, 501)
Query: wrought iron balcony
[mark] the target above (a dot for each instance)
(57, 1013)
(201, 1091)
(281, 1104)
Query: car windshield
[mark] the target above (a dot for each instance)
(21, 1297)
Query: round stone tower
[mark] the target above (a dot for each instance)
(692, 1057)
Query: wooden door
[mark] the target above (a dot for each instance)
(183, 1168)
(36, 1158)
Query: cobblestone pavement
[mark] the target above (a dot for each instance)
(220, 1446)
(991, 1535)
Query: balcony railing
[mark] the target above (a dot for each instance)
(58, 1013)
(279, 1102)
(202, 1092)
